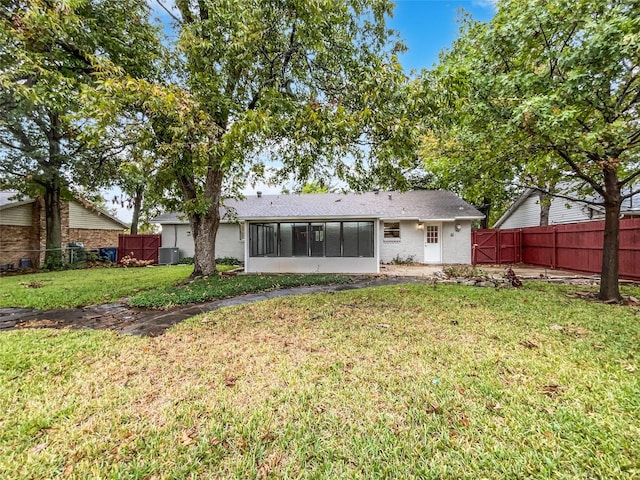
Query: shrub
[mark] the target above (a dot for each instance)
(461, 271)
(185, 261)
(228, 261)
(398, 260)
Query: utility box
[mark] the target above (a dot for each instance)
(168, 255)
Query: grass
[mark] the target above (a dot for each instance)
(77, 288)
(212, 288)
(410, 381)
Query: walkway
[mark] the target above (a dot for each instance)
(124, 319)
(128, 320)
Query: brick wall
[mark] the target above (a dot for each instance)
(94, 238)
(17, 242)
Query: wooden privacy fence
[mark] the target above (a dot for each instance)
(573, 246)
(143, 247)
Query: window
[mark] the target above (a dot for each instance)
(333, 243)
(391, 230)
(357, 239)
(432, 234)
(263, 239)
(317, 239)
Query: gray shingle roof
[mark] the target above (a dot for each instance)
(418, 204)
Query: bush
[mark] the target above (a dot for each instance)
(462, 271)
(185, 261)
(228, 261)
(398, 260)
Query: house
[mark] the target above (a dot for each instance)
(23, 228)
(525, 211)
(336, 232)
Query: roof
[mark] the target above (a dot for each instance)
(423, 205)
(8, 200)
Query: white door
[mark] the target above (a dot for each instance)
(432, 243)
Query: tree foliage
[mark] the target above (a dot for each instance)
(545, 94)
(49, 52)
(295, 88)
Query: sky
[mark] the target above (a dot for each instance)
(425, 26)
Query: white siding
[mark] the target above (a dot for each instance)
(456, 246)
(561, 211)
(565, 211)
(81, 217)
(312, 265)
(410, 243)
(19, 215)
(526, 215)
(178, 236)
(228, 243)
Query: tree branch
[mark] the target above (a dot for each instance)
(169, 12)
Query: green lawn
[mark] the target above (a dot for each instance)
(77, 288)
(148, 287)
(410, 381)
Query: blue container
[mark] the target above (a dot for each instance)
(108, 254)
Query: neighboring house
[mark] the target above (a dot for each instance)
(334, 232)
(525, 212)
(23, 228)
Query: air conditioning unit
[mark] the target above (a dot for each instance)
(168, 255)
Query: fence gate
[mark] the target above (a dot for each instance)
(485, 246)
(143, 247)
(509, 246)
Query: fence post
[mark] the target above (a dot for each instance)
(519, 245)
(554, 243)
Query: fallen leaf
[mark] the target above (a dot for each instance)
(68, 470)
(464, 421)
(382, 325)
(230, 381)
(630, 368)
(38, 448)
(494, 407)
(552, 389)
(528, 344)
(265, 469)
(186, 438)
(433, 408)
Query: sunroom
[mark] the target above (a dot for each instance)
(331, 246)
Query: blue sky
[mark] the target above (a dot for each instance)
(428, 26)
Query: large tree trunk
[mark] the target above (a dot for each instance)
(485, 209)
(204, 227)
(545, 206)
(52, 200)
(137, 205)
(53, 221)
(609, 288)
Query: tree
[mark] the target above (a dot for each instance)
(548, 91)
(49, 52)
(305, 88)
